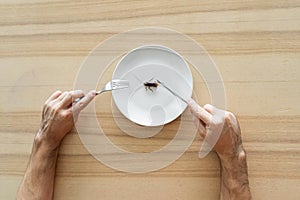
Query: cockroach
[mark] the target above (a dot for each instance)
(148, 85)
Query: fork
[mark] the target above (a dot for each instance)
(114, 85)
(111, 85)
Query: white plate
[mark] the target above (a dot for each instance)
(154, 62)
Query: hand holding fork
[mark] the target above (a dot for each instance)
(111, 85)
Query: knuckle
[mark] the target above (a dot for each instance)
(81, 92)
(64, 93)
(66, 114)
(229, 117)
(68, 95)
(56, 109)
(69, 113)
(218, 119)
(199, 111)
(203, 133)
(80, 104)
(207, 106)
(58, 92)
(46, 105)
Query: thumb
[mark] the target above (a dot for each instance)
(199, 112)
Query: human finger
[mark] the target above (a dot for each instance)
(58, 99)
(198, 123)
(82, 103)
(218, 114)
(70, 96)
(202, 134)
(53, 96)
(200, 126)
(199, 112)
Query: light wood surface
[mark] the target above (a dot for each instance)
(255, 44)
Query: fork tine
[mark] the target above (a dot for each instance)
(114, 85)
(120, 81)
(119, 87)
(120, 84)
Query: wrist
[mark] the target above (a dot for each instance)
(234, 166)
(232, 158)
(45, 143)
(43, 158)
(39, 177)
(43, 146)
(234, 175)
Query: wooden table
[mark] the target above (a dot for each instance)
(255, 44)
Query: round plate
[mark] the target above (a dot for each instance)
(152, 106)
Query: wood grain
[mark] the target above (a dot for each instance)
(255, 44)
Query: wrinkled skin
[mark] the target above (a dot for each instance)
(59, 114)
(58, 118)
(229, 148)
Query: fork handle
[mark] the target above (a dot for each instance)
(100, 92)
(79, 98)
